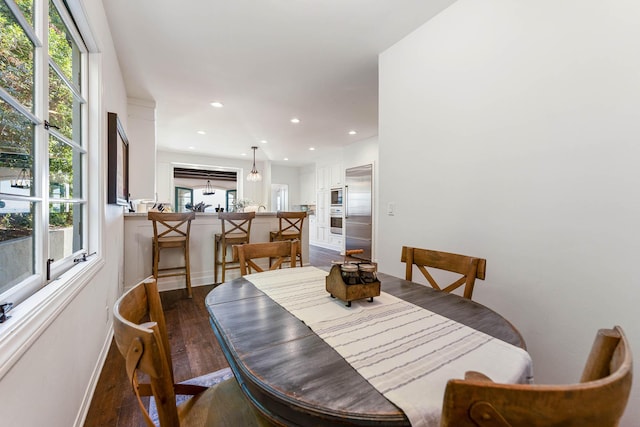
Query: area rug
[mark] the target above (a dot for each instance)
(205, 380)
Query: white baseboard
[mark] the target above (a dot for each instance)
(93, 383)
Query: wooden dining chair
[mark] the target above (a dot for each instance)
(236, 230)
(598, 400)
(471, 268)
(289, 228)
(172, 230)
(281, 251)
(141, 337)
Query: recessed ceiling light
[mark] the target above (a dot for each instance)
(192, 148)
(217, 104)
(201, 132)
(311, 148)
(286, 158)
(352, 132)
(264, 141)
(243, 154)
(295, 120)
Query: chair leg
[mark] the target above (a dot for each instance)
(156, 260)
(215, 261)
(187, 266)
(224, 260)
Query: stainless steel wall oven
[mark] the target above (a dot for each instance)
(335, 219)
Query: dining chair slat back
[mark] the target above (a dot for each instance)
(289, 228)
(172, 230)
(141, 337)
(471, 268)
(280, 251)
(598, 400)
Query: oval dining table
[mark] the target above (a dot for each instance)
(296, 379)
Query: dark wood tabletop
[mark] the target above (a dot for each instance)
(295, 378)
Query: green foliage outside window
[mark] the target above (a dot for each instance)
(16, 132)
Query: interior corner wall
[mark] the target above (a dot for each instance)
(509, 131)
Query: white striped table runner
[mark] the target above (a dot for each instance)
(406, 352)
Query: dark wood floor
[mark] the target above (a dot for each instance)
(194, 349)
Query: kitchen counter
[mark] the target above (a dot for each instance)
(138, 236)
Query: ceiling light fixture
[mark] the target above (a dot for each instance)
(352, 132)
(254, 175)
(264, 141)
(217, 104)
(23, 180)
(208, 189)
(201, 132)
(295, 120)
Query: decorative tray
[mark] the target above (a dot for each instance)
(336, 286)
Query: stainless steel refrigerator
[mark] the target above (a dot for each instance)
(358, 228)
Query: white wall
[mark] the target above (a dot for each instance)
(141, 133)
(51, 383)
(509, 130)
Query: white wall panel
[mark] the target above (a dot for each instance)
(509, 130)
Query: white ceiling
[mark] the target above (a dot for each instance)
(267, 61)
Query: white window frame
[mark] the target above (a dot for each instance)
(37, 310)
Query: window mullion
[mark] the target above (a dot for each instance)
(67, 141)
(18, 106)
(29, 31)
(41, 172)
(74, 89)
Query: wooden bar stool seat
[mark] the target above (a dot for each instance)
(171, 230)
(236, 230)
(289, 228)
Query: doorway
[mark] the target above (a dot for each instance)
(280, 197)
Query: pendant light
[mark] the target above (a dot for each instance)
(23, 180)
(254, 175)
(208, 189)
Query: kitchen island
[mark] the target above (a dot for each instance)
(138, 237)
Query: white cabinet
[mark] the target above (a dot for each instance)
(336, 175)
(308, 188)
(329, 176)
(323, 175)
(322, 207)
(322, 235)
(336, 241)
(313, 229)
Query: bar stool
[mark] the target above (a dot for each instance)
(236, 230)
(171, 230)
(290, 228)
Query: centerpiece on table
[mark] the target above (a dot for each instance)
(351, 281)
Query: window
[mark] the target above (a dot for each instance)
(43, 108)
